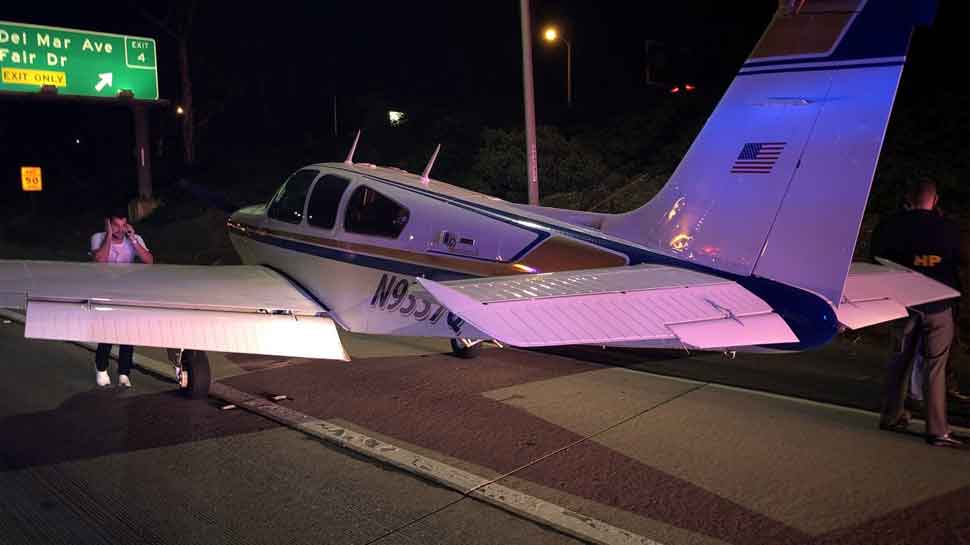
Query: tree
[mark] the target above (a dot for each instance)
(178, 24)
(565, 165)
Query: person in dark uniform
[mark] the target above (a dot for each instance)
(923, 240)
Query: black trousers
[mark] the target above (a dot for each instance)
(124, 358)
(933, 333)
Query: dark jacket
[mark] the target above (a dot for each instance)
(924, 241)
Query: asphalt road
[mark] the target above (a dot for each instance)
(676, 459)
(81, 465)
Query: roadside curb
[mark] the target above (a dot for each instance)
(468, 484)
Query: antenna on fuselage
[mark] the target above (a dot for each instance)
(350, 156)
(427, 170)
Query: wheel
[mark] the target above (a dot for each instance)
(196, 376)
(465, 348)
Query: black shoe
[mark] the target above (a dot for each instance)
(944, 441)
(899, 425)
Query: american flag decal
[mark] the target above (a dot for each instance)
(757, 158)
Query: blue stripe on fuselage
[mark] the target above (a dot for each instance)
(817, 68)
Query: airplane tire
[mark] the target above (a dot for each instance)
(195, 364)
(458, 349)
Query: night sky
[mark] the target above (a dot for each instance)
(266, 77)
(432, 52)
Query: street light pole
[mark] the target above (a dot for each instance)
(569, 73)
(531, 155)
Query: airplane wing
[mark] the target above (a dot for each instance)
(649, 304)
(880, 293)
(244, 309)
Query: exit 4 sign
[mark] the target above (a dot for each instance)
(76, 62)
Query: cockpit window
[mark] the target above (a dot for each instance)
(370, 213)
(288, 204)
(321, 211)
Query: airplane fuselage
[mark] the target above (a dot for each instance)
(363, 268)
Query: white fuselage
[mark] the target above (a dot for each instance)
(368, 282)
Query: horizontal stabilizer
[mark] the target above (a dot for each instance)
(860, 314)
(616, 305)
(880, 293)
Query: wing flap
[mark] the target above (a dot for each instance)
(660, 305)
(221, 331)
(244, 309)
(880, 293)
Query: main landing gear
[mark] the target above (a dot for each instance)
(466, 348)
(192, 372)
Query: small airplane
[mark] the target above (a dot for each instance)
(748, 247)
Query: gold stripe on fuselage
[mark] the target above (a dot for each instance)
(559, 253)
(555, 254)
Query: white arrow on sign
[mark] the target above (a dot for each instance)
(105, 79)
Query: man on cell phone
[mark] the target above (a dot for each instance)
(118, 243)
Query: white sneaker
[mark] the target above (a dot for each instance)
(123, 381)
(102, 378)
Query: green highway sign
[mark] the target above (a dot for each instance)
(76, 62)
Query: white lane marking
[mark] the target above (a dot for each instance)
(780, 397)
(564, 520)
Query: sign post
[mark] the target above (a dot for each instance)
(47, 61)
(143, 155)
(76, 62)
(31, 183)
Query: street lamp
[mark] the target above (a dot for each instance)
(552, 35)
(528, 96)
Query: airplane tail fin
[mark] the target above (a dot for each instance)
(776, 182)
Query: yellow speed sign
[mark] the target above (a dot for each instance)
(30, 179)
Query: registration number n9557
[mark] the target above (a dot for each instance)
(392, 295)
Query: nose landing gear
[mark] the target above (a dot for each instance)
(466, 348)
